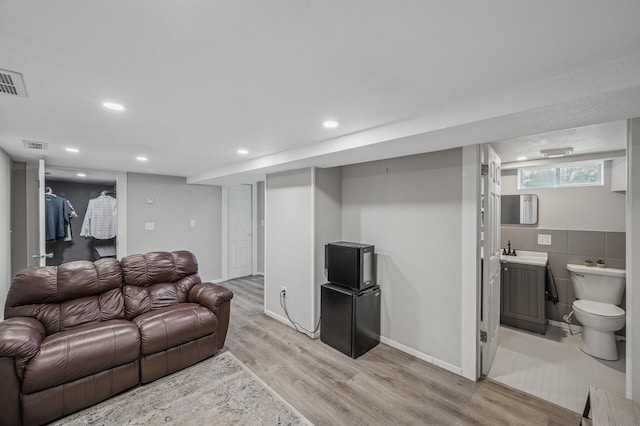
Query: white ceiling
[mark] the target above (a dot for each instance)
(597, 138)
(202, 79)
(71, 175)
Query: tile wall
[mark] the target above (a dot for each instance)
(568, 247)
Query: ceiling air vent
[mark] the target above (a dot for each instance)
(11, 83)
(38, 146)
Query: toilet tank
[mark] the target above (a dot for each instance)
(604, 285)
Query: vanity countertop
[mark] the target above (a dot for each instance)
(527, 258)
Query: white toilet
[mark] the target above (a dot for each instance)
(599, 291)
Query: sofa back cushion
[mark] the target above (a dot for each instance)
(69, 295)
(156, 280)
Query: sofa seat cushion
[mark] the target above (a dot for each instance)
(172, 326)
(80, 352)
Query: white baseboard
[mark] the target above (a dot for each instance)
(206, 280)
(406, 349)
(287, 322)
(222, 280)
(428, 358)
(277, 317)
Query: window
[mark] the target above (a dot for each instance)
(561, 175)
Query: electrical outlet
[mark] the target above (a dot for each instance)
(283, 289)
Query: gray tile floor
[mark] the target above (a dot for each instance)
(553, 367)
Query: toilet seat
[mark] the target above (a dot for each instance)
(598, 309)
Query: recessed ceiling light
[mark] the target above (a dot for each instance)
(243, 151)
(114, 106)
(81, 175)
(330, 124)
(521, 158)
(141, 158)
(559, 152)
(72, 149)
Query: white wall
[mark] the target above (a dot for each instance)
(303, 213)
(592, 208)
(5, 228)
(260, 226)
(175, 204)
(288, 245)
(19, 247)
(328, 222)
(470, 261)
(632, 261)
(411, 209)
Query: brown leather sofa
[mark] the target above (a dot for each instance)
(81, 332)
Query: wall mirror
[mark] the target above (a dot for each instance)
(520, 209)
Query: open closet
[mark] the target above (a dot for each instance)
(81, 219)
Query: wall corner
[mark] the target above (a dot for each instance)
(470, 261)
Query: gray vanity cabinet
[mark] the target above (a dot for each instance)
(523, 301)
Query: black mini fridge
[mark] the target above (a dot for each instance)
(350, 319)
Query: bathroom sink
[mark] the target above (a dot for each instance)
(527, 258)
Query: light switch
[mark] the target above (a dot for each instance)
(544, 239)
(149, 200)
(149, 226)
(192, 223)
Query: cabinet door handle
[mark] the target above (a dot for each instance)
(506, 269)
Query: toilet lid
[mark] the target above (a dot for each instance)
(598, 308)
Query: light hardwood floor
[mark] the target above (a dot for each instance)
(383, 387)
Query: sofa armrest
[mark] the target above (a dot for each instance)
(210, 295)
(21, 337)
(217, 299)
(10, 386)
(20, 340)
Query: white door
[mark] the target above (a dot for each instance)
(490, 317)
(240, 230)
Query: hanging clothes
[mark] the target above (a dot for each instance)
(56, 215)
(72, 215)
(100, 220)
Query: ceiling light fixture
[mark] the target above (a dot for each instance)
(521, 158)
(114, 106)
(75, 150)
(243, 151)
(81, 175)
(141, 158)
(330, 124)
(555, 153)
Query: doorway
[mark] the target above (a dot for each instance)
(578, 221)
(240, 231)
(86, 235)
(28, 186)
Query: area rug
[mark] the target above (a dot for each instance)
(218, 391)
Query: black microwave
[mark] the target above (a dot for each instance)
(350, 265)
